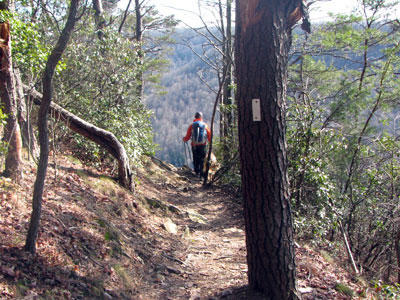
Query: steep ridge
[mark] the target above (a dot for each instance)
(172, 239)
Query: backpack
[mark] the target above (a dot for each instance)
(199, 133)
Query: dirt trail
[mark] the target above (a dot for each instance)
(171, 240)
(208, 256)
(209, 249)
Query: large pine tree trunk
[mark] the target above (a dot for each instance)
(262, 46)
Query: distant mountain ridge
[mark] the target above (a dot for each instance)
(186, 93)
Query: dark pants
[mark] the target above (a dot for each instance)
(199, 153)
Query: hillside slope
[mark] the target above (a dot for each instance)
(173, 239)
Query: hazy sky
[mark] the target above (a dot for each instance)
(187, 10)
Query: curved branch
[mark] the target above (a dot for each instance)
(101, 137)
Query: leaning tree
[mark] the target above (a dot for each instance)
(54, 58)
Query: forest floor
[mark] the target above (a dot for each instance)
(171, 239)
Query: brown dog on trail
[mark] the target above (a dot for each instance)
(214, 166)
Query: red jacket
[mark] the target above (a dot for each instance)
(189, 131)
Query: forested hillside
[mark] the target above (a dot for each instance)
(185, 94)
(307, 147)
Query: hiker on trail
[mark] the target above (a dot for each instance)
(200, 134)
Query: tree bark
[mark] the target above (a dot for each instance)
(99, 18)
(24, 118)
(263, 38)
(139, 37)
(397, 250)
(227, 114)
(54, 58)
(12, 133)
(98, 135)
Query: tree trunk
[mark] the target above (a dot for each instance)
(99, 18)
(397, 250)
(12, 134)
(100, 136)
(24, 118)
(263, 38)
(54, 58)
(139, 32)
(222, 119)
(228, 54)
(226, 114)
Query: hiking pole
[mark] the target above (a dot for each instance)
(185, 145)
(190, 155)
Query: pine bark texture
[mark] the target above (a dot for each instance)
(263, 29)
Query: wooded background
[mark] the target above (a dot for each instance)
(134, 75)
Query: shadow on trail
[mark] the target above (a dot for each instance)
(221, 208)
(215, 249)
(239, 293)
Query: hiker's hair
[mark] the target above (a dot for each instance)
(198, 115)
